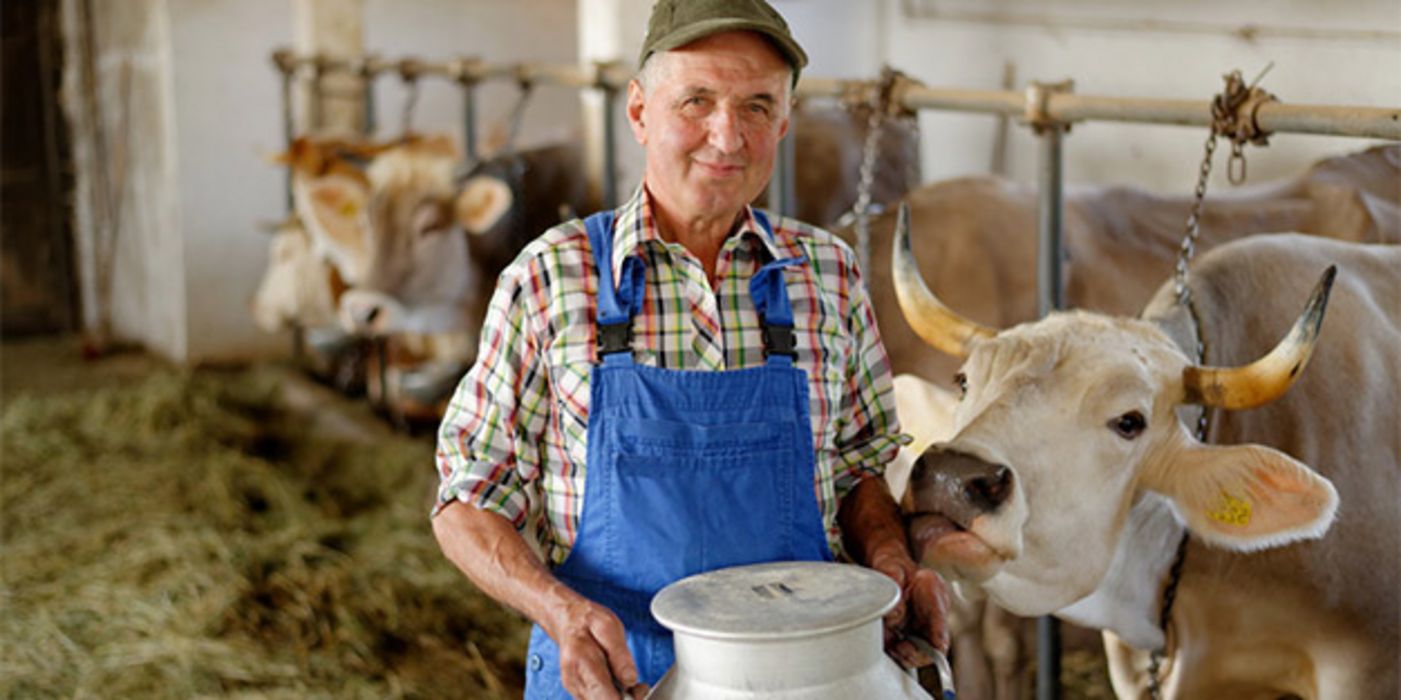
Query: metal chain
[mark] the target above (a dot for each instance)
(862, 207)
(1224, 122)
(1189, 240)
(410, 102)
(518, 115)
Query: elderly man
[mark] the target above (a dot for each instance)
(678, 385)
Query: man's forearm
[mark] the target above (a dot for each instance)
(870, 521)
(494, 556)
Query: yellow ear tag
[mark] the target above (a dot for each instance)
(1231, 511)
(348, 208)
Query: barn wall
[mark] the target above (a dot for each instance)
(1340, 53)
(498, 31)
(227, 123)
(117, 100)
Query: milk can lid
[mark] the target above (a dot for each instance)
(778, 600)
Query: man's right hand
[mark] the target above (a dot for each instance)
(594, 661)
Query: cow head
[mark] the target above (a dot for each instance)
(1065, 423)
(382, 216)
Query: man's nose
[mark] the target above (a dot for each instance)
(726, 135)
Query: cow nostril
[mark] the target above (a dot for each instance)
(991, 490)
(372, 314)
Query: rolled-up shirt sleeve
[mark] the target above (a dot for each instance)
(871, 435)
(487, 454)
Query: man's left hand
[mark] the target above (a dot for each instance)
(921, 612)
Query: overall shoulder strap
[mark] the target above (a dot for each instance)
(769, 293)
(616, 305)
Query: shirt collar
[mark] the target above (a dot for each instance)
(635, 226)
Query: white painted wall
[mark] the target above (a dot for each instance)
(497, 31)
(227, 121)
(119, 110)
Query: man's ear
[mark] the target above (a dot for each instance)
(637, 100)
(1246, 497)
(787, 118)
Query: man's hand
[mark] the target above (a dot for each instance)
(921, 612)
(593, 650)
(594, 661)
(875, 536)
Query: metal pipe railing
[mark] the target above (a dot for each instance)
(1277, 117)
(608, 74)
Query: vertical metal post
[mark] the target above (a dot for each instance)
(286, 65)
(610, 156)
(1050, 296)
(782, 191)
(367, 93)
(469, 121)
(1049, 249)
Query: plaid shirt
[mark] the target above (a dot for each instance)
(513, 439)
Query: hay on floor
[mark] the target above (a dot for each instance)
(187, 535)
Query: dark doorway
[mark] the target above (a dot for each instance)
(37, 289)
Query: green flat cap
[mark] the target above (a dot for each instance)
(679, 22)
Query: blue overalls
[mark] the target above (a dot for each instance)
(688, 471)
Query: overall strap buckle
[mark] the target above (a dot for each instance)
(614, 337)
(779, 339)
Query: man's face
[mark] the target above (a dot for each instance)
(710, 119)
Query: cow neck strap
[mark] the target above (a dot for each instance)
(1157, 656)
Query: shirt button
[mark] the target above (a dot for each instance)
(536, 662)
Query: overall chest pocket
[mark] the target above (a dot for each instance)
(688, 513)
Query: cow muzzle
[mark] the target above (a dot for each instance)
(950, 499)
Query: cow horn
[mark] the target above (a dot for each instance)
(930, 319)
(1267, 378)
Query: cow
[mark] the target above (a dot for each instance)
(1073, 474)
(1119, 242)
(418, 245)
(299, 288)
(977, 238)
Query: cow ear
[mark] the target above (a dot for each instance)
(1247, 497)
(336, 204)
(481, 204)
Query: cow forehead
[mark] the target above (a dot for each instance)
(1075, 349)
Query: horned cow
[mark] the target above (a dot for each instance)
(1073, 472)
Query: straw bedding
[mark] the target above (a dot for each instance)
(185, 534)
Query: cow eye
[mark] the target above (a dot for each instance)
(961, 380)
(1129, 425)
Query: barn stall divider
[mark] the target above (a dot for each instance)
(1241, 114)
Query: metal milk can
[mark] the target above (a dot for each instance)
(783, 630)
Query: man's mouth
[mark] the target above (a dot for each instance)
(951, 548)
(720, 169)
